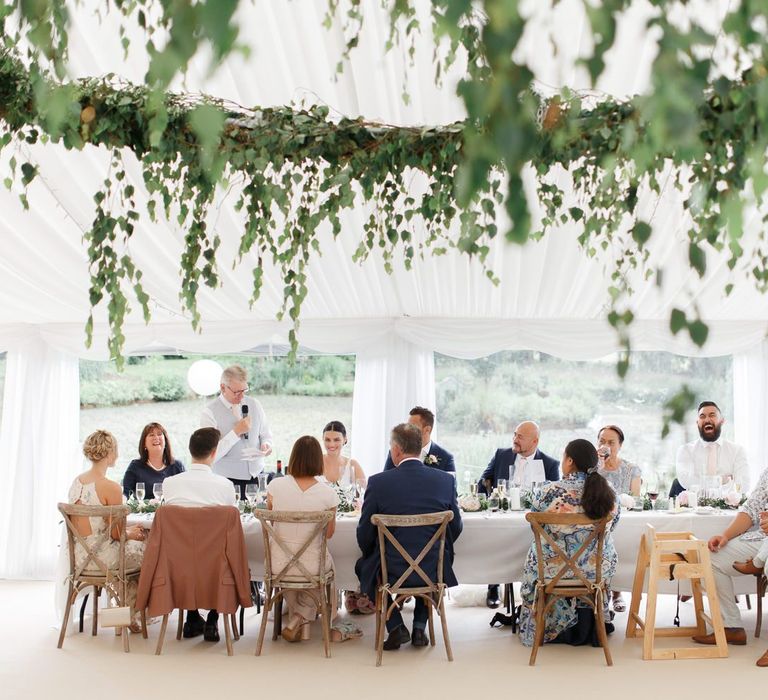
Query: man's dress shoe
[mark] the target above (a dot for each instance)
(396, 638)
(211, 633)
(492, 598)
(193, 628)
(763, 660)
(419, 638)
(733, 635)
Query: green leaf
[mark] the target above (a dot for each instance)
(677, 321)
(641, 232)
(698, 258)
(699, 331)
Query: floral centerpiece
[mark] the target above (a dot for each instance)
(473, 503)
(346, 504)
(137, 506)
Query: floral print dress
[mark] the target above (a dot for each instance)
(562, 496)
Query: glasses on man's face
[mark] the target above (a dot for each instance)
(237, 393)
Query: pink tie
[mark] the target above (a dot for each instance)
(712, 459)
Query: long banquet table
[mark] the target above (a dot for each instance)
(492, 547)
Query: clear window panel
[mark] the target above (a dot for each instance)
(298, 399)
(479, 403)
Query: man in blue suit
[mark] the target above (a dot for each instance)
(521, 465)
(411, 489)
(431, 453)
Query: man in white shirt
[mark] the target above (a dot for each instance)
(711, 455)
(194, 488)
(246, 437)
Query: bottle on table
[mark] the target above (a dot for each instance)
(279, 471)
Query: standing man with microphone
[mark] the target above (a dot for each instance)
(246, 438)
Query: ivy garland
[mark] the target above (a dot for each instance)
(700, 130)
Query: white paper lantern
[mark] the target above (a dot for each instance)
(204, 377)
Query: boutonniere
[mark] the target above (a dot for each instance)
(431, 460)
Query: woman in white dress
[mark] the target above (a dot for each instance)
(301, 490)
(92, 488)
(334, 463)
(335, 466)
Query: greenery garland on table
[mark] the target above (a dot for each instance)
(697, 130)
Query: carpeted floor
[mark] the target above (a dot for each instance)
(488, 662)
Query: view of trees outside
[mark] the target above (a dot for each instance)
(298, 399)
(479, 403)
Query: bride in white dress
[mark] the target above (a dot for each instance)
(92, 488)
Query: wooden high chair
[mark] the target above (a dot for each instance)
(675, 556)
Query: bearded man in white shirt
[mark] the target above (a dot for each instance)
(246, 437)
(711, 455)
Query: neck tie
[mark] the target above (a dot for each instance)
(520, 471)
(711, 459)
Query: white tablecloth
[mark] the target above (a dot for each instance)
(492, 548)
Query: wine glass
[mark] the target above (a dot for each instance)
(140, 490)
(653, 495)
(237, 494)
(157, 491)
(502, 483)
(251, 491)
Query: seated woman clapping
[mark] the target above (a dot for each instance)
(92, 488)
(581, 490)
(301, 490)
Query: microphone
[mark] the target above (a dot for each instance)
(244, 409)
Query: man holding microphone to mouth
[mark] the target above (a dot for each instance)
(246, 438)
(734, 556)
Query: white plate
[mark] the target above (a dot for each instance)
(705, 510)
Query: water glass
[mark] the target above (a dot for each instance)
(157, 491)
(251, 491)
(140, 490)
(502, 487)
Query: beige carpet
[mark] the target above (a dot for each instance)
(488, 662)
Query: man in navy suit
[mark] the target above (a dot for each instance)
(431, 453)
(411, 489)
(521, 465)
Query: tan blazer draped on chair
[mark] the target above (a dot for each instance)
(195, 558)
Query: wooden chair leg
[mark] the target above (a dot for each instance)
(325, 621)
(126, 643)
(71, 596)
(601, 633)
(538, 637)
(95, 621)
(430, 606)
(381, 618)
(277, 611)
(761, 581)
(144, 624)
(228, 635)
(749, 602)
(179, 624)
(235, 633)
(161, 637)
(242, 621)
(444, 624)
(82, 610)
(263, 625)
(512, 606)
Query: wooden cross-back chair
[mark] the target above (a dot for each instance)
(431, 592)
(93, 571)
(318, 583)
(569, 581)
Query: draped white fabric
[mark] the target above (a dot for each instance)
(750, 405)
(551, 296)
(389, 381)
(38, 455)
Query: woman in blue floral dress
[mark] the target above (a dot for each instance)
(581, 490)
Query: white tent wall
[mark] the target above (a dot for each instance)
(39, 435)
(750, 405)
(39, 441)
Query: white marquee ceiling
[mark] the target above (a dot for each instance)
(551, 296)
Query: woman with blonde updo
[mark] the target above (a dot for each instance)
(92, 488)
